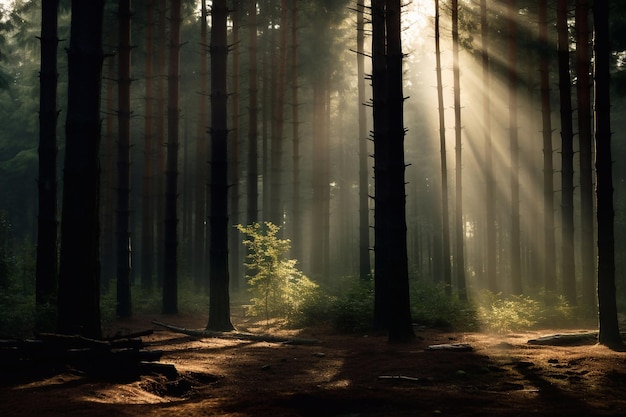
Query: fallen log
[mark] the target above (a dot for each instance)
(566, 339)
(119, 358)
(254, 337)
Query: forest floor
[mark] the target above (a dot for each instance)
(343, 375)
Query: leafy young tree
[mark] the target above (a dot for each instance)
(79, 274)
(277, 286)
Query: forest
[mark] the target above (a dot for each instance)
(331, 191)
(370, 166)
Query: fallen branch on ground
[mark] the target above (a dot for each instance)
(254, 337)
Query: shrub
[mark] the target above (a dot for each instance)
(278, 288)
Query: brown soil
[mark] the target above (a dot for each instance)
(344, 375)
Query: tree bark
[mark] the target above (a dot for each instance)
(79, 274)
(277, 139)
(458, 218)
(400, 325)
(583, 93)
(234, 235)
(296, 215)
(445, 210)
(170, 266)
(391, 298)
(515, 248)
(490, 183)
(608, 325)
(46, 268)
(122, 212)
(253, 112)
(548, 169)
(365, 268)
(200, 198)
(567, 155)
(147, 212)
(219, 298)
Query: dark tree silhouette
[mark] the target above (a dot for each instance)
(392, 305)
(219, 298)
(459, 255)
(170, 259)
(122, 212)
(609, 329)
(233, 166)
(548, 170)
(200, 192)
(79, 274)
(365, 268)
(490, 181)
(515, 249)
(583, 93)
(46, 269)
(296, 219)
(147, 209)
(445, 205)
(253, 112)
(567, 154)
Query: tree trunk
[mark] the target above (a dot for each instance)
(490, 183)
(567, 155)
(122, 212)
(548, 170)
(161, 141)
(234, 235)
(583, 86)
(296, 215)
(400, 326)
(253, 111)
(321, 180)
(170, 259)
(46, 269)
(107, 186)
(391, 298)
(609, 329)
(445, 211)
(219, 299)
(515, 254)
(276, 199)
(380, 134)
(200, 231)
(458, 222)
(365, 268)
(79, 275)
(147, 218)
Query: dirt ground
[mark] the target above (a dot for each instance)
(343, 375)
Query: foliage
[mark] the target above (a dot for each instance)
(278, 288)
(431, 306)
(521, 312)
(353, 309)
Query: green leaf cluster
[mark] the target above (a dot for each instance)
(278, 288)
